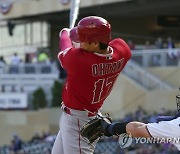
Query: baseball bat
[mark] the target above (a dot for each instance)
(74, 11)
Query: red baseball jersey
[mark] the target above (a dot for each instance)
(91, 76)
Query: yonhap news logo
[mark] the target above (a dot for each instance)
(126, 139)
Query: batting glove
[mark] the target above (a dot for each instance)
(64, 29)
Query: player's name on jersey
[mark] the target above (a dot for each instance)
(107, 68)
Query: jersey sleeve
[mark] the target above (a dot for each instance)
(166, 129)
(122, 47)
(67, 54)
(67, 60)
(160, 129)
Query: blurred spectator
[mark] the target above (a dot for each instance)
(16, 144)
(44, 135)
(140, 114)
(15, 61)
(2, 69)
(172, 53)
(2, 88)
(50, 138)
(170, 43)
(131, 44)
(36, 138)
(152, 118)
(2, 64)
(148, 45)
(43, 57)
(27, 58)
(33, 57)
(129, 117)
(2, 60)
(159, 43)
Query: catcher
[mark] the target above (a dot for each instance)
(167, 127)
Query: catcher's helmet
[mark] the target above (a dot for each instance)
(90, 29)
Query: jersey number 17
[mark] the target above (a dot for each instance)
(102, 88)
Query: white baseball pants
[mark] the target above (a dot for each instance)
(69, 140)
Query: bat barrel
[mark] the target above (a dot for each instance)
(74, 12)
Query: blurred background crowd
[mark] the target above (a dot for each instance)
(31, 78)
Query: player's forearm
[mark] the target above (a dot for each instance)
(137, 129)
(64, 41)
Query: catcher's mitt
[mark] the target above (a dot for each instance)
(96, 128)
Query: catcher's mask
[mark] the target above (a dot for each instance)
(92, 29)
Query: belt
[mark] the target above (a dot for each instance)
(77, 112)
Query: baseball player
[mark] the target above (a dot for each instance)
(92, 70)
(168, 128)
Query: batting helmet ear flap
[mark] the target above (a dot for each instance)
(74, 35)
